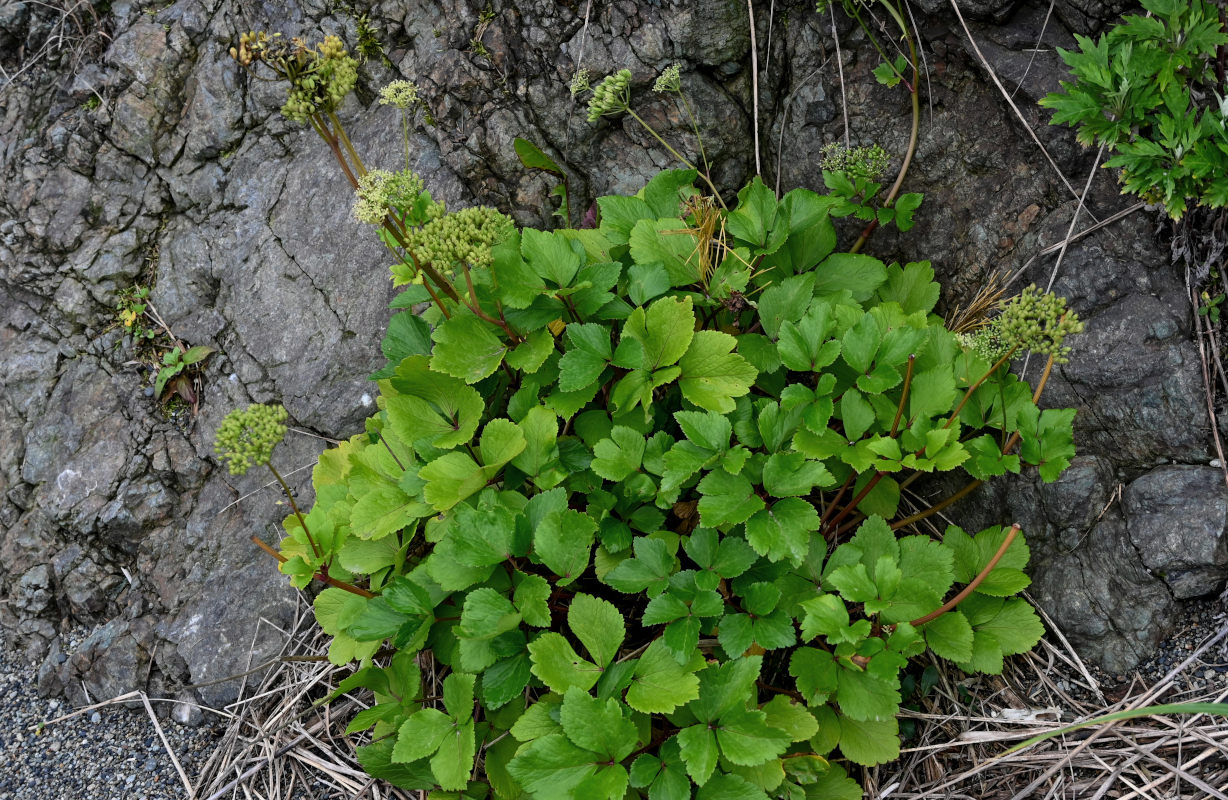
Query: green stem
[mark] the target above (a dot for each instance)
(677, 155)
(914, 90)
(698, 136)
(315, 548)
(345, 140)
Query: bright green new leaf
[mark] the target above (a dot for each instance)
(620, 455)
(540, 429)
(598, 625)
(431, 407)
(550, 255)
(467, 348)
(712, 375)
(563, 541)
(596, 725)
(502, 440)
(745, 737)
(451, 478)
(792, 475)
(530, 598)
(699, 752)
(660, 683)
(558, 666)
(551, 767)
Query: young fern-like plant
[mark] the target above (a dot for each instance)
(637, 489)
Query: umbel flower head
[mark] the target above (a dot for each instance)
(319, 77)
(1034, 320)
(380, 190)
(402, 94)
(668, 81)
(462, 237)
(579, 82)
(612, 96)
(247, 438)
(869, 161)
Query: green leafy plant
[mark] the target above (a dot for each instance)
(638, 489)
(130, 311)
(175, 361)
(1149, 91)
(857, 186)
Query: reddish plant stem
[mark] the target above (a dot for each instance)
(899, 412)
(331, 581)
(971, 587)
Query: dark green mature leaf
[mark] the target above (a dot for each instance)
(587, 356)
(551, 767)
(648, 571)
(782, 531)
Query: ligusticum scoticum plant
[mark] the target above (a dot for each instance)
(637, 488)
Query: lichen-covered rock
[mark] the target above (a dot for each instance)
(183, 176)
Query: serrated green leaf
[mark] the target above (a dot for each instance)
(467, 348)
(486, 614)
(530, 599)
(421, 734)
(726, 499)
(792, 475)
(790, 717)
(620, 455)
(431, 407)
(869, 742)
(712, 375)
(529, 355)
(551, 766)
(782, 531)
(745, 737)
(596, 725)
(950, 637)
(667, 242)
(563, 541)
(587, 355)
(598, 625)
(660, 684)
(558, 666)
(451, 478)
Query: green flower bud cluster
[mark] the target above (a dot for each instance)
(329, 77)
(1037, 321)
(402, 94)
(867, 162)
(380, 190)
(579, 82)
(984, 342)
(612, 96)
(247, 438)
(668, 81)
(462, 237)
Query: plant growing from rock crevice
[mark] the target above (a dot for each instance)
(637, 488)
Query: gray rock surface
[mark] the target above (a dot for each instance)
(184, 177)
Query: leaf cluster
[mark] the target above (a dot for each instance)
(633, 487)
(1148, 91)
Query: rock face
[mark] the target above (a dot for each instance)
(145, 156)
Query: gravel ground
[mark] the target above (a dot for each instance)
(108, 754)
